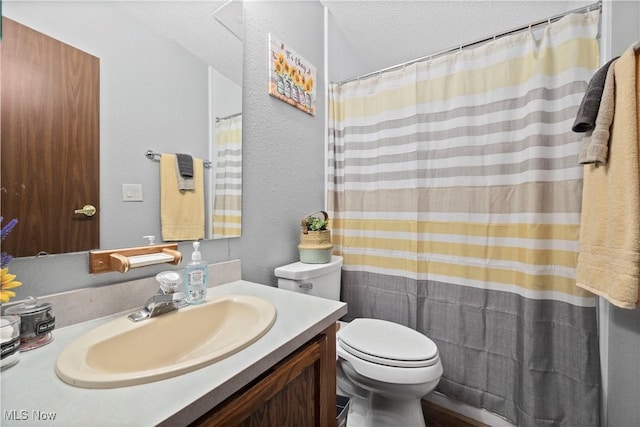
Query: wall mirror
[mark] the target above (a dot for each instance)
(170, 81)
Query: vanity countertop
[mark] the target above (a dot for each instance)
(32, 394)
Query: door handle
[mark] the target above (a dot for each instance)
(87, 210)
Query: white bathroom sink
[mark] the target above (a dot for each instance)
(121, 352)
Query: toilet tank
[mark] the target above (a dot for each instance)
(321, 280)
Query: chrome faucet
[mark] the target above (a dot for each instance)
(165, 301)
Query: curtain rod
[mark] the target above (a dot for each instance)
(587, 8)
(228, 117)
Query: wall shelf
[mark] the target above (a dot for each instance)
(123, 260)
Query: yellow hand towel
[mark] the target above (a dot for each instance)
(181, 213)
(609, 258)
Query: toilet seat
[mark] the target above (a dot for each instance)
(388, 343)
(389, 352)
(388, 362)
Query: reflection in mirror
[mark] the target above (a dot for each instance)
(166, 71)
(227, 186)
(224, 205)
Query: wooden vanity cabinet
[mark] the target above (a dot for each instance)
(299, 391)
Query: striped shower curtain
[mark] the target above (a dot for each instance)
(455, 196)
(226, 220)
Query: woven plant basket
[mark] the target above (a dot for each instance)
(315, 246)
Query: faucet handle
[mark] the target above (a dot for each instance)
(166, 298)
(178, 296)
(160, 303)
(163, 303)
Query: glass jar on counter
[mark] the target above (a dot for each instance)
(36, 322)
(9, 341)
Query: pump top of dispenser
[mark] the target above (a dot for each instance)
(196, 255)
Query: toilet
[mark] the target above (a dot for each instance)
(383, 367)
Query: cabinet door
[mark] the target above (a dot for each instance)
(299, 391)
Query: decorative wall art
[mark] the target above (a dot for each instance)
(292, 78)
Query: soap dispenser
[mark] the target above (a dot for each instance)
(196, 277)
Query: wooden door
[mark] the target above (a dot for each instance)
(50, 143)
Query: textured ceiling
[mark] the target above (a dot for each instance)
(210, 30)
(382, 32)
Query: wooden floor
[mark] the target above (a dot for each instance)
(437, 416)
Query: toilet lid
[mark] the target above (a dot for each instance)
(387, 343)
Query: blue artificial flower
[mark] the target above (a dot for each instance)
(5, 258)
(7, 228)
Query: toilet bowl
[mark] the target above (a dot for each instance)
(385, 368)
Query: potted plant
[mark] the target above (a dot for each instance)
(315, 239)
(315, 223)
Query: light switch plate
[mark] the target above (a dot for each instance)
(131, 192)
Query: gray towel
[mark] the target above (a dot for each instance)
(588, 110)
(185, 165)
(184, 169)
(595, 144)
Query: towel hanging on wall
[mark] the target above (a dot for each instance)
(608, 263)
(184, 165)
(590, 105)
(595, 144)
(181, 212)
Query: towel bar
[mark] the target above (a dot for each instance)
(150, 154)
